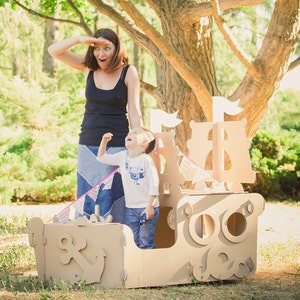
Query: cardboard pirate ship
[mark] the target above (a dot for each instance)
(205, 233)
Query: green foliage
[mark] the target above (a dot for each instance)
(39, 126)
(3, 2)
(38, 150)
(24, 145)
(48, 6)
(275, 151)
(277, 166)
(12, 259)
(283, 113)
(269, 147)
(248, 25)
(14, 225)
(290, 105)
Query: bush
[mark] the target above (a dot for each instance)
(277, 163)
(269, 146)
(38, 141)
(48, 191)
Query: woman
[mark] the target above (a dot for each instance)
(112, 91)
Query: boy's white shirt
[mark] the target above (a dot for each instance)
(139, 177)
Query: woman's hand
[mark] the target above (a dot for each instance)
(90, 41)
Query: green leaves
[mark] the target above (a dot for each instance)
(3, 2)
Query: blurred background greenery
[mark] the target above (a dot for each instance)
(41, 114)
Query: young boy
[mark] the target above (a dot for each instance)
(140, 182)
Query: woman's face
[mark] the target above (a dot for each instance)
(104, 51)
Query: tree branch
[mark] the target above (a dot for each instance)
(35, 13)
(152, 90)
(81, 17)
(156, 8)
(294, 64)
(232, 42)
(192, 13)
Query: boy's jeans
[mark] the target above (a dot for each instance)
(143, 234)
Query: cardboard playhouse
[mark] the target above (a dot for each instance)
(207, 232)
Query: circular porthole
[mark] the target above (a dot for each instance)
(203, 228)
(171, 219)
(234, 226)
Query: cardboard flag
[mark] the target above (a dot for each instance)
(77, 207)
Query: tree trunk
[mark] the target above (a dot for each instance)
(49, 63)
(195, 44)
(15, 67)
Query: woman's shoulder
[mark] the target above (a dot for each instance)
(131, 73)
(87, 72)
(131, 68)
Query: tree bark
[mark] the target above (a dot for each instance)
(177, 94)
(49, 63)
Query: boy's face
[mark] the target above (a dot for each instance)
(135, 137)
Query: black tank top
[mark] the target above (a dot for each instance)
(105, 111)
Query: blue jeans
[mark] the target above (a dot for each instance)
(143, 234)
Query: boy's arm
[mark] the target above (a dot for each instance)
(149, 210)
(102, 147)
(153, 189)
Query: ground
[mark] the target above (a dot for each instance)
(278, 263)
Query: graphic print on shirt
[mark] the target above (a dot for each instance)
(135, 173)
